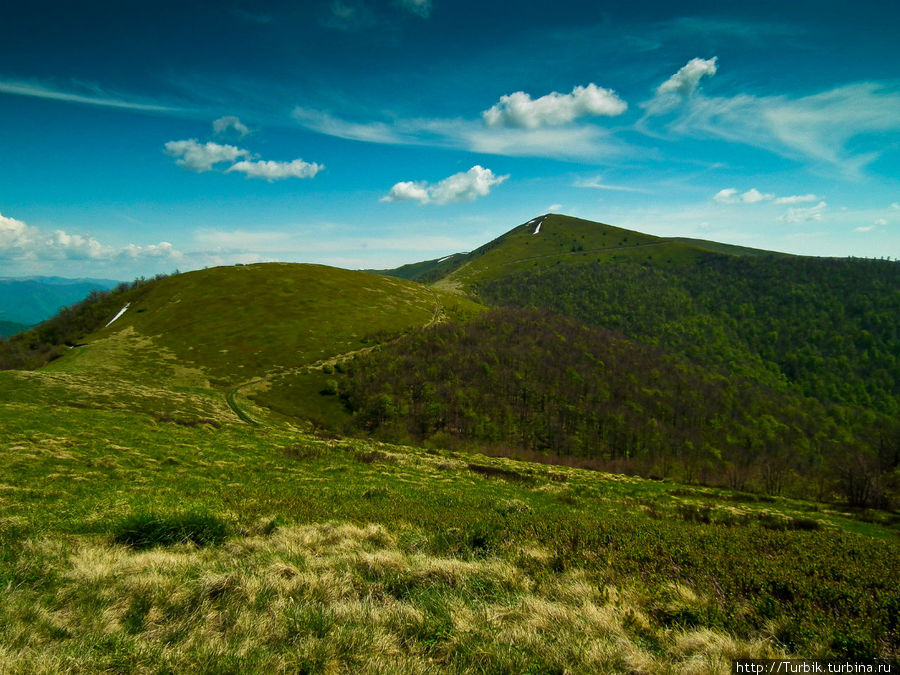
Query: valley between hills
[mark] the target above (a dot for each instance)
(576, 449)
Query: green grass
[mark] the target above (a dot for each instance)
(261, 548)
(147, 529)
(564, 240)
(144, 527)
(240, 322)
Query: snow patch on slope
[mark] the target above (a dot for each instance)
(121, 312)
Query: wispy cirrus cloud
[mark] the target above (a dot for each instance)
(827, 128)
(465, 186)
(584, 142)
(820, 128)
(597, 183)
(797, 199)
(835, 129)
(401, 132)
(94, 97)
(419, 7)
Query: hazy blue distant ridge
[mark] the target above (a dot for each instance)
(30, 300)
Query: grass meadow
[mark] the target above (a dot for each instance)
(140, 539)
(147, 527)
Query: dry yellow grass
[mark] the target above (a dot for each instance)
(337, 597)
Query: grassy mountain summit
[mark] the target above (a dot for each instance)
(821, 332)
(240, 322)
(825, 327)
(551, 240)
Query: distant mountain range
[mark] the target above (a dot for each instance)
(26, 301)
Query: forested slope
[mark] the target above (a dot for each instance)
(529, 381)
(828, 328)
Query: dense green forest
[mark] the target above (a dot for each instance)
(827, 328)
(539, 384)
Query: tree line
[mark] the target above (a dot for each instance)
(535, 382)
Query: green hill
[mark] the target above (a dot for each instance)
(240, 322)
(207, 332)
(166, 505)
(825, 327)
(551, 240)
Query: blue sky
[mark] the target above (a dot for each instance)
(140, 137)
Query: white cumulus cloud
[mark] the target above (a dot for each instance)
(229, 123)
(460, 187)
(200, 157)
(61, 244)
(519, 110)
(22, 242)
(14, 234)
(726, 196)
(751, 196)
(408, 191)
(796, 199)
(682, 85)
(804, 215)
(271, 170)
(686, 80)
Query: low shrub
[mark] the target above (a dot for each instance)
(146, 530)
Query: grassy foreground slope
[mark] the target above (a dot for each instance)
(132, 543)
(145, 528)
